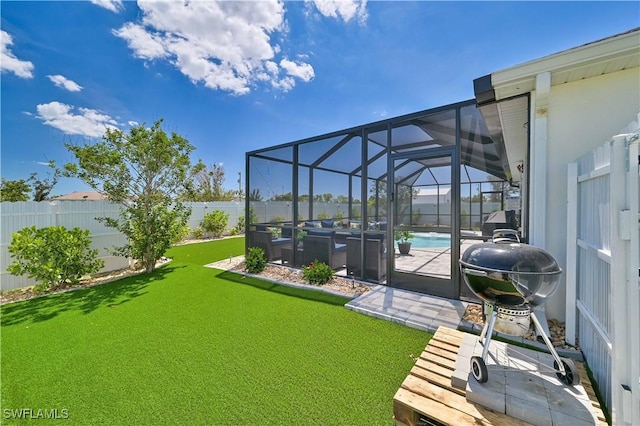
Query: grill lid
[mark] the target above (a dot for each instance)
(510, 273)
(510, 257)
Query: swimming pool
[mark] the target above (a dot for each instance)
(430, 240)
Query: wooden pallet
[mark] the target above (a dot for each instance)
(426, 397)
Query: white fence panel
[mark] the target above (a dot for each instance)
(83, 214)
(603, 295)
(69, 214)
(234, 209)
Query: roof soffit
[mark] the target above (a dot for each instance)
(606, 56)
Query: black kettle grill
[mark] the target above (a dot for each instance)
(511, 278)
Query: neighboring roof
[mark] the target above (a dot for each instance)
(81, 196)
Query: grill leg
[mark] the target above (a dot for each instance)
(487, 331)
(542, 333)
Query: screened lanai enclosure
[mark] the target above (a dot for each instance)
(434, 179)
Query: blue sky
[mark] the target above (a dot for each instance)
(233, 77)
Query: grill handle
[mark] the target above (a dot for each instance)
(476, 272)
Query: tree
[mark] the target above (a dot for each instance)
(208, 183)
(283, 197)
(500, 186)
(18, 190)
(255, 195)
(146, 172)
(43, 187)
(14, 190)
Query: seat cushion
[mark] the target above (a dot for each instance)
(327, 223)
(280, 241)
(319, 232)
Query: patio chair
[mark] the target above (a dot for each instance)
(322, 247)
(272, 247)
(375, 258)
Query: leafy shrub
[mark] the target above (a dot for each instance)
(239, 228)
(402, 236)
(323, 216)
(182, 234)
(301, 234)
(277, 219)
(215, 222)
(253, 217)
(256, 261)
(53, 255)
(198, 233)
(317, 273)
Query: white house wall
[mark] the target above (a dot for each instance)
(581, 116)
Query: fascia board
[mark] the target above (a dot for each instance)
(520, 79)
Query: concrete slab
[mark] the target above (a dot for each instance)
(412, 309)
(522, 384)
(523, 410)
(490, 394)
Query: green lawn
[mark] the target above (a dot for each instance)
(193, 345)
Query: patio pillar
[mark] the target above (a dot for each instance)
(538, 185)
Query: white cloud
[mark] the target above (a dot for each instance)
(300, 70)
(224, 45)
(112, 5)
(65, 83)
(144, 45)
(132, 123)
(9, 62)
(75, 121)
(344, 9)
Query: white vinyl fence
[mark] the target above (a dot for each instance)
(82, 214)
(603, 303)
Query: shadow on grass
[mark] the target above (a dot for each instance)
(86, 300)
(301, 293)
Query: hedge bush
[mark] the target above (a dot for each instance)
(53, 256)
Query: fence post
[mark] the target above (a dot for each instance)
(571, 262)
(53, 212)
(632, 395)
(619, 367)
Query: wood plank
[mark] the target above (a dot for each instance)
(437, 360)
(588, 387)
(435, 378)
(458, 402)
(431, 409)
(441, 353)
(450, 332)
(427, 392)
(445, 368)
(445, 346)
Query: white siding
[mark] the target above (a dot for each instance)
(581, 116)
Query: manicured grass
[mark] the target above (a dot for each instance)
(192, 345)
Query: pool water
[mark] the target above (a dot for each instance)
(430, 240)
